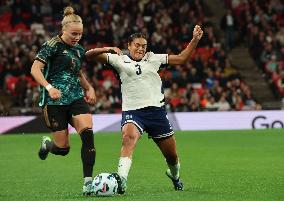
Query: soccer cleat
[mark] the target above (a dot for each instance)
(43, 151)
(178, 185)
(121, 183)
(88, 188)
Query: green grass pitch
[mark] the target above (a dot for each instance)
(215, 166)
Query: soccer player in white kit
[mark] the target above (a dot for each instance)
(143, 106)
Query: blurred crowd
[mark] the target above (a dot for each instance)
(208, 82)
(261, 24)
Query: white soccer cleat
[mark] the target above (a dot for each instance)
(121, 182)
(123, 185)
(43, 151)
(178, 185)
(88, 188)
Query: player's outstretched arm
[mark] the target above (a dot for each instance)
(99, 54)
(187, 52)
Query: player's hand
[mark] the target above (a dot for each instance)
(90, 96)
(54, 93)
(197, 32)
(115, 50)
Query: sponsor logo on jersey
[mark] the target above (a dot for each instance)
(129, 116)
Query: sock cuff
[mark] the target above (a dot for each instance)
(173, 166)
(63, 151)
(86, 130)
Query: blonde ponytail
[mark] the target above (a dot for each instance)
(69, 17)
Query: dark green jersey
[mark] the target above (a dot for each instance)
(63, 63)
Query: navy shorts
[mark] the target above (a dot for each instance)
(153, 120)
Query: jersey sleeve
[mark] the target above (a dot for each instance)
(46, 52)
(162, 58)
(113, 60)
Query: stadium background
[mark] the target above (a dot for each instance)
(238, 64)
(237, 67)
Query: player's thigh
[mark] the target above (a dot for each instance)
(167, 146)
(61, 138)
(132, 126)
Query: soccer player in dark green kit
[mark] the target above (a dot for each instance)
(66, 93)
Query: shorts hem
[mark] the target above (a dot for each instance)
(165, 135)
(135, 123)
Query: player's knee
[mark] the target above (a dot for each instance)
(129, 139)
(62, 151)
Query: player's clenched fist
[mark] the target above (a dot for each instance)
(197, 32)
(54, 93)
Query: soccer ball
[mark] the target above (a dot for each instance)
(105, 184)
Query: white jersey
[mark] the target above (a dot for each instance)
(141, 85)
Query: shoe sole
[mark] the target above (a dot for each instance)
(42, 153)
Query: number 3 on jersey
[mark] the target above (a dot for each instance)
(138, 71)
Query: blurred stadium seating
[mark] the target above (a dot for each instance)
(260, 24)
(208, 82)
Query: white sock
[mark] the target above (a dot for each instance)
(174, 170)
(124, 165)
(87, 179)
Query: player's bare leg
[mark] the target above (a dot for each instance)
(83, 125)
(130, 136)
(168, 148)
